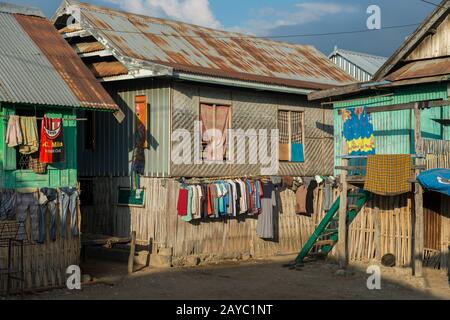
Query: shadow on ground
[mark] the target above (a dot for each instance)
(258, 279)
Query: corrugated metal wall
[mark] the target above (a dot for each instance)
(254, 110)
(114, 142)
(394, 131)
(351, 69)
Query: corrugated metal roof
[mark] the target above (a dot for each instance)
(367, 62)
(421, 69)
(199, 50)
(38, 67)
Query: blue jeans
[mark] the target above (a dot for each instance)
(8, 201)
(50, 205)
(68, 202)
(28, 202)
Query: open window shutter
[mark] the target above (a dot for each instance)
(283, 127)
(141, 109)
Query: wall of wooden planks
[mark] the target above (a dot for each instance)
(158, 222)
(44, 264)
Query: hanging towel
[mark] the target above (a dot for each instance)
(182, 202)
(52, 141)
(297, 154)
(13, 133)
(284, 152)
(358, 131)
(30, 143)
(310, 197)
(300, 200)
(388, 175)
(188, 216)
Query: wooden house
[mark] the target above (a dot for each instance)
(40, 75)
(408, 103)
(162, 74)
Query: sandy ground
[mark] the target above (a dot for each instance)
(257, 279)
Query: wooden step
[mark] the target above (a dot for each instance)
(324, 243)
(353, 207)
(356, 195)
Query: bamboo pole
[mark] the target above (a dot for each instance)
(418, 199)
(342, 246)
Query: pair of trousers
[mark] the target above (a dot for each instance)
(68, 202)
(28, 202)
(8, 201)
(48, 206)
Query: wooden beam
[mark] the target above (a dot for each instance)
(377, 220)
(408, 106)
(418, 201)
(342, 246)
(132, 251)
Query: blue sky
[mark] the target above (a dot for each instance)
(284, 17)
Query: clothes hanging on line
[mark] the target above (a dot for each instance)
(37, 203)
(265, 227)
(388, 175)
(13, 132)
(30, 136)
(221, 198)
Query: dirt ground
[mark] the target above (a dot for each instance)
(256, 279)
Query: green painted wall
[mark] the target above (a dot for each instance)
(58, 175)
(394, 131)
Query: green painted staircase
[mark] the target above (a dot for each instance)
(328, 227)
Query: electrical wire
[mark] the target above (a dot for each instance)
(301, 35)
(435, 4)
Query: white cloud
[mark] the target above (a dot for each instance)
(268, 18)
(192, 11)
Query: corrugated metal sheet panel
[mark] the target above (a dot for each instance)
(107, 69)
(65, 63)
(26, 75)
(351, 69)
(394, 131)
(200, 50)
(420, 69)
(114, 142)
(367, 62)
(88, 47)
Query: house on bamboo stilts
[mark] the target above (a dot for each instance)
(40, 78)
(409, 108)
(166, 76)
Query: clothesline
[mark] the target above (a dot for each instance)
(40, 118)
(195, 180)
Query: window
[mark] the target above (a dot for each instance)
(141, 127)
(216, 120)
(291, 135)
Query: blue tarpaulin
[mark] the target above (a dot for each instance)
(436, 180)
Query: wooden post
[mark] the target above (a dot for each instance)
(418, 200)
(377, 220)
(342, 246)
(132, 250)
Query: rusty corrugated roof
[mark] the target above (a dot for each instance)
(422, 69)
(199, 50)
(107, 69)
(88, 47)
(77, 77)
